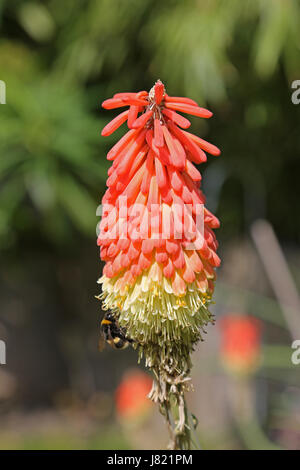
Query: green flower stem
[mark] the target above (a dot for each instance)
(242, 401)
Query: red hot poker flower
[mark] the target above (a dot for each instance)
(156, 235)
(240, 343)
(131, 395)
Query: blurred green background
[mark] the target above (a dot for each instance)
(59, 61)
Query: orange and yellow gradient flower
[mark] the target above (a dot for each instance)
(240, 343)
(156, 235)
(132, 405)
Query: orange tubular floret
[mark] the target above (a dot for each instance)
(131, 154)
(210, 148)
(133, 113)
(119, 146)
(142, 120)
(180, 99)
(113, 103)
(135, 101)
(159, 90)
(161, 174)
(198, 154)
(177, 118)
(115, 124)
(158, 134)
(189, 109)
(148, 173)
(192, 171)
(126, 95)
(177, 157)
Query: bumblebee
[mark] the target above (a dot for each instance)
(112, 333)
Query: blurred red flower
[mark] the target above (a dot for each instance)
(131, 395)
(240, 343)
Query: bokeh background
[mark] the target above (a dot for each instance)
(59, 61)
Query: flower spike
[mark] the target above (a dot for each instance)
(157, 241)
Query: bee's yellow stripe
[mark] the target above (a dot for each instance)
(105, 322)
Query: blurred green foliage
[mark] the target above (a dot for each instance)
(65, 439)
(61, 59)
